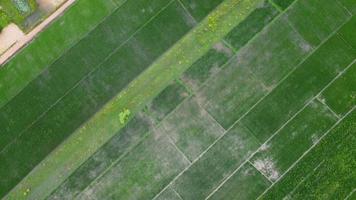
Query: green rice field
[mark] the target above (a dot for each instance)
(183, 100)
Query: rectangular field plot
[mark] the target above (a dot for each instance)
(231, 93)
(167, 101)
(341, 95)
(191, 128)
(216, 164)
(91, 93)
(69, 29)
(326, 172)
(199, 9)
(112, 152)
(277, 155)
(252, 25)
(301, 86)
(274, 52)
(207, 66)
(246, 183)
(323, 19)
(140, 174)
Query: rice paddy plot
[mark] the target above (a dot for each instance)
(317, 71)
(112, 152)
(236, 88)
(167, 101)
(252, 25)
(327, 171)
(142, 173)
(216, 164)
(207, 66)
(246, 183)
(191, 128)
(341, 95)
(296, 137)
(323, 19)
(68, 30)
(199, 9)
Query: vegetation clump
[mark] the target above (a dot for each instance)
(124, 116)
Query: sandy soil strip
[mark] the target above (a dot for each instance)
(27, 38)
(9, 36)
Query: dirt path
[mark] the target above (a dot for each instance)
(28, 37)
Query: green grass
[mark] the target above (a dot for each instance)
(327, 171)
(15, 75)
(191, 47)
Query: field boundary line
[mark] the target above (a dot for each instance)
(305, 178)
(145, 136)
(258, 149)
(349, 195)
(180, 197)
(97, 67)
(235, 51)
(278, 130)
(277, 7)
(62, 54)
(211, 117)
(178, 149)
(342, 5)
(264, 175)
(328, 107)
(310, 149)
(187, 11)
